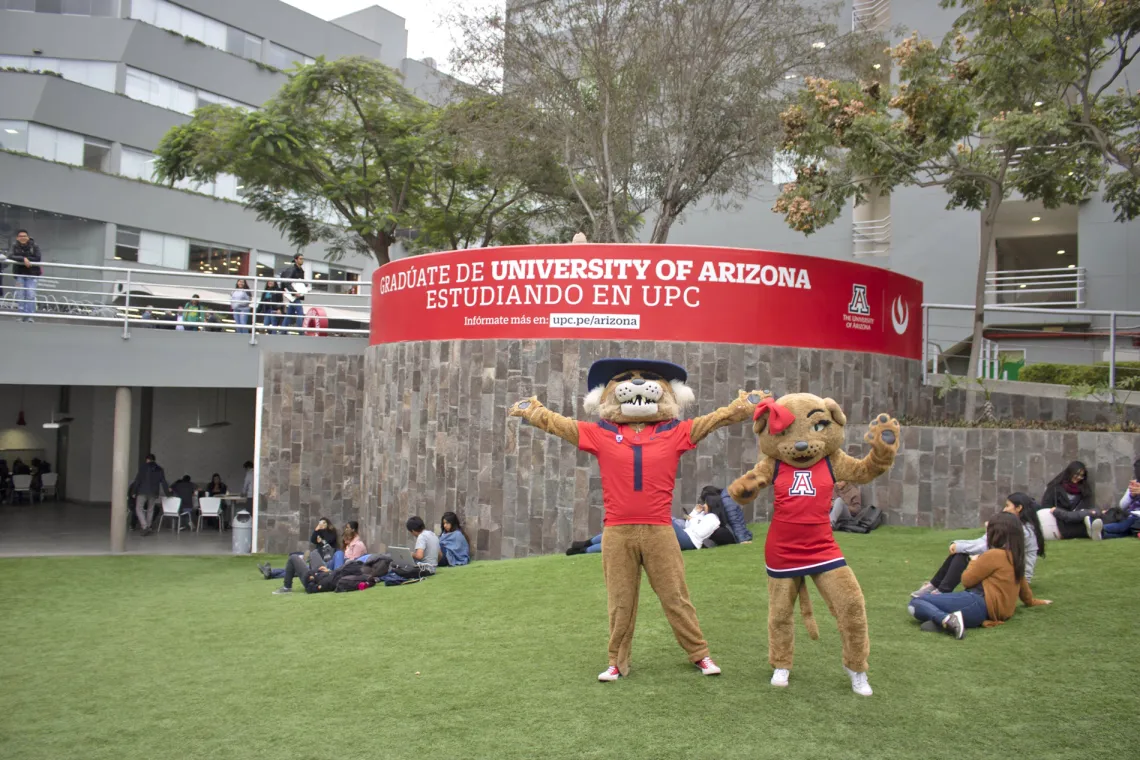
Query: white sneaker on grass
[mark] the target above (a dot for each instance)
(610, 674)
(1095, 528)
(780, 676)
(707, 666)
(859, 683)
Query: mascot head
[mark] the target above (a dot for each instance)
(799, 429)
(630, 391)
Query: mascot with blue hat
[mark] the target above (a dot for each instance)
(638, 440)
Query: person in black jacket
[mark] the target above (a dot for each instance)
(1069, 496)
(26, 255)
(322, 547)
(148, 488)
(295, 310)
(271, 306)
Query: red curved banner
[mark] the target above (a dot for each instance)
(647, 292)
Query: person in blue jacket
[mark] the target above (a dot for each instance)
(454, 548)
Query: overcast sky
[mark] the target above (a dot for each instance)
(427, 35)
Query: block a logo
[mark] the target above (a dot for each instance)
(859, 303)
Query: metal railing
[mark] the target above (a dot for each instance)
(157, 298)
(989, 360)
(869, 15)
(872, 237)
(1038, 287)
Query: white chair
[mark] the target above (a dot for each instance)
(22, 484)
(170, 507)
(49, 481)
(210, 507)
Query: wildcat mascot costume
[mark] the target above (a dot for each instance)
(638, 441)
(801, 457)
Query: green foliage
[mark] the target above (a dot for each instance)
(18, 70)
(498, 660)
(344, 155)
(1123, 426)
(1127, 374)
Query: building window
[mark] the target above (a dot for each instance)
(14, 136)
(350, 279)
(18, 5)
(283, 57)
(166, 93)
(177, 19)
(214, 258)
(83, 7)
(783, 168)
(127, 244)
(243, 44)
(137, 164)
(96, 154)
(160, 250)
(97, 74)
(55, 145)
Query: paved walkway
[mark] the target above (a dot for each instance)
(57, 529)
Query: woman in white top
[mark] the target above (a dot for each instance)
(696, 528)
(241, 301)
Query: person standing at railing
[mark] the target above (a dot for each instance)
(26, 255)
(241, 301)
(295, 308)
(192, 314)
(271, 304)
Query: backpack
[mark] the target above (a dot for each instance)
(869, 518)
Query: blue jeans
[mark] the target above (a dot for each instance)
(242, 317)
(682, 537)
(272, 320)
(26, 294)
(937, 606)
(595, 545)
(1122, 529)
(294, 315)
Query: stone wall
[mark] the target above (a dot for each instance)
(310, 445)
(437, 438)
(957, 477)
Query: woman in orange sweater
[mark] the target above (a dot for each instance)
(993, 582)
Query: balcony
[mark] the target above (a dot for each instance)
(1037, 287)
(870, 15)
(872, 237)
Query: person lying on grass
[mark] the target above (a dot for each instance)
(322, 550)
(706, 526)
(994, 580)
(950, 574)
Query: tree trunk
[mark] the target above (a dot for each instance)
(989, 215)
(664, 224)
(380, 245)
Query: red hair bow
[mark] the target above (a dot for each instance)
(779, 417)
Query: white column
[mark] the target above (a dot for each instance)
(120, 464)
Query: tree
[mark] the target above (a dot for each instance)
(955, 122)
(1077, 53)
(343, 154)
(650, 105)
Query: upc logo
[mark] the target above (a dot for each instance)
(900, 315)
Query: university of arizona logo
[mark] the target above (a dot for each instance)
(802, 485)
(859, 303)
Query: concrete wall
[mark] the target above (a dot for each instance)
(312, 434)
(37, 403)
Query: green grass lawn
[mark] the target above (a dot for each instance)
(167, 657)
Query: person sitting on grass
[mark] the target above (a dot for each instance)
(961, 552)
(994, 581)
(353, 544)
(454, 548)
(712, 501)
(693, 532)
(1069, 497)
(1130, 506)
(322, 548)
(426, 551)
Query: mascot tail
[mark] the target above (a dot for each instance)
(806, 611)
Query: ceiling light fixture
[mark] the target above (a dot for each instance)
(1022, 286)
(1038, 104)
(1035, 219)
(12, 131)
(1061, 252)
(1072, 266)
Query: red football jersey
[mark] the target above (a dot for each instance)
(800, 541)
(639, 469)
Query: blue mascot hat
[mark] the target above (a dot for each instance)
(604, 370)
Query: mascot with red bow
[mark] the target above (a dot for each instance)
(801, 457)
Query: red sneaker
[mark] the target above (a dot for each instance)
(708, 667)
(610, 674)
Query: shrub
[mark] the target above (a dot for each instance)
(1127, 374)
(1006, 424)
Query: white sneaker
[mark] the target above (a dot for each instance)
(1095, 528)
(610, 674)
(708, 667)
(780, 677)
(859, 683)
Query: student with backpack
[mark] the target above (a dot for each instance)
(961, 552)
(994, 581)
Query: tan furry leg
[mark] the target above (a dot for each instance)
(665, 568)
(844, 598)
(782, 594)
(621, 565)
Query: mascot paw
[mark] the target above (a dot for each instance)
(746, 402)
(525, 407)
(745, 489)
(883, 434)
